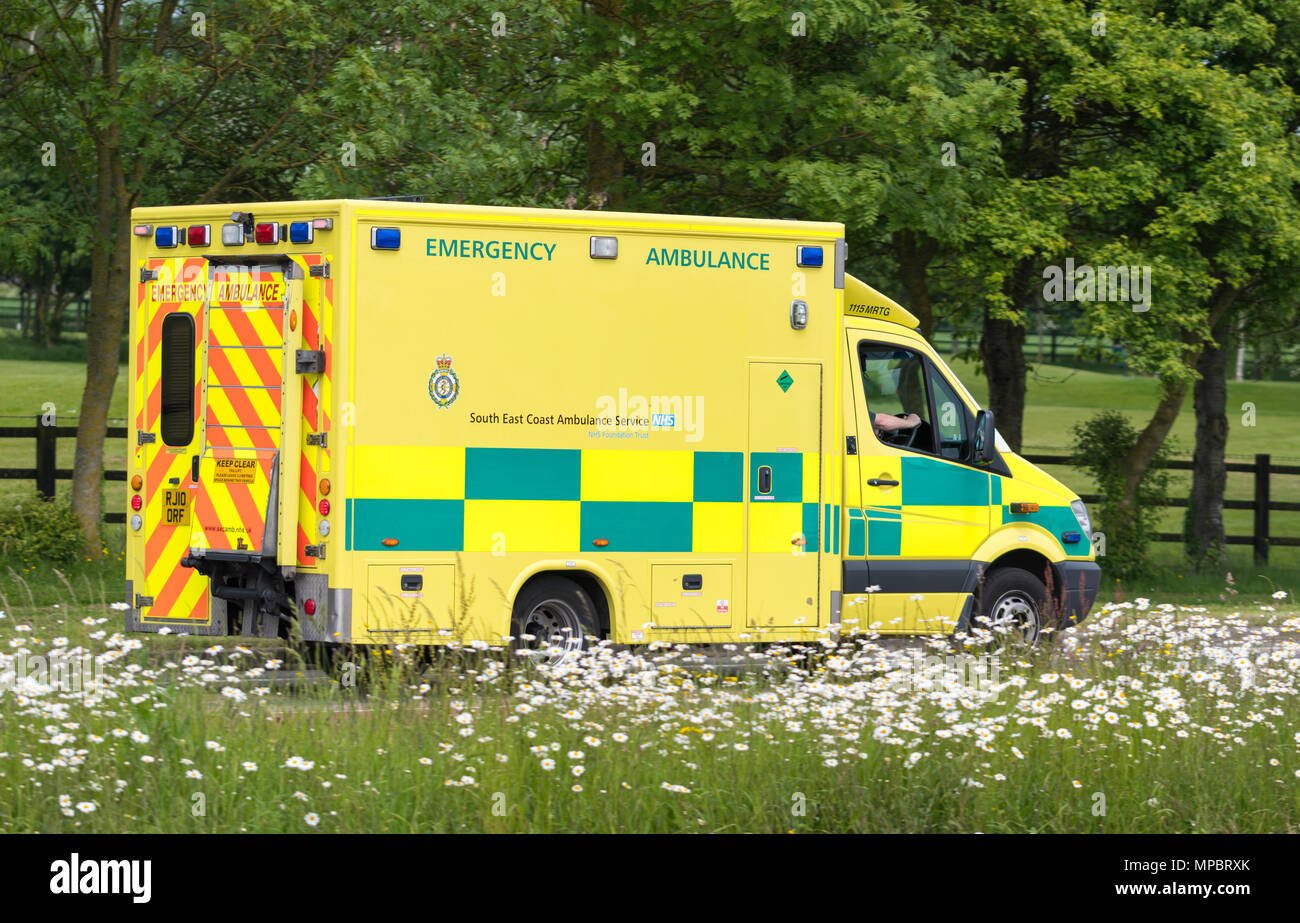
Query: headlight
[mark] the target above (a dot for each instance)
(1085, 521)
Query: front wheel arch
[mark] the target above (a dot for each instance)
(1003, 593)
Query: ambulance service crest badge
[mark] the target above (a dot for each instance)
(444, 385)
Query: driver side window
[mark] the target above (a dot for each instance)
(893, 381)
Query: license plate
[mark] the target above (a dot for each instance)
(176, 508)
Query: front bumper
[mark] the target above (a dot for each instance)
(1079, 581)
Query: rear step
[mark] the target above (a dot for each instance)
(251, 580)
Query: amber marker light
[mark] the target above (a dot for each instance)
(137, 482)
(600, 542)
(389, 542)
(324, 487)
(293, 320)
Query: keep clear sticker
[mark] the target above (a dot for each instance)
(235, 470)
(723, 605)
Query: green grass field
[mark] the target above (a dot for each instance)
(25, 387)
(1143, 720)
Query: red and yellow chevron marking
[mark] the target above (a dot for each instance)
(313, 292)
(178, 592)
(242, 419)
(231, 514)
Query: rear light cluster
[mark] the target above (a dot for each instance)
(137, 503)
(169, 236)
(323, 527)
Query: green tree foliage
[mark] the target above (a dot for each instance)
(967, 146)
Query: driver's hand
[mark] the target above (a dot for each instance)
(911, 421)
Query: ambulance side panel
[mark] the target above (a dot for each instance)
(520, 407)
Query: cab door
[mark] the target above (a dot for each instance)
(784, 494)
(924, 508)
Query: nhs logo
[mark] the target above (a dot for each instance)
(663, 421)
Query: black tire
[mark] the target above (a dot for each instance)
(560, 618)
(1013, 603)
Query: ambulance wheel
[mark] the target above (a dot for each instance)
(553, 620)
(1011, 605)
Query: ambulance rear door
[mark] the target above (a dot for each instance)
(248, 464)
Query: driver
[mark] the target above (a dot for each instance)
(888, 422)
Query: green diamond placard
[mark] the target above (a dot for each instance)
(784, 380)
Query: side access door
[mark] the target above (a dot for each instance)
(784, 494)
(924, 508)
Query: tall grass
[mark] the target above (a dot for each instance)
(1144, 719)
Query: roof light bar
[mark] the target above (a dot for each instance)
(385, 238)
(808, 256)
(604, 248)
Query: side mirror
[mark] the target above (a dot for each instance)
(985, 448)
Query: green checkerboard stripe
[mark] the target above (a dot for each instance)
(556, 474)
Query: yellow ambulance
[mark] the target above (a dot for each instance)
(377, 422)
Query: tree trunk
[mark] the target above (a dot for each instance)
(1171, 401)
(604, 168)
(1241, 350)
(1205, 543)
(1150, 440)
(604, 159)
(108, 299)
(1002, 350)
(914, 252)
(40, 317)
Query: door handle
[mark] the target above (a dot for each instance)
(881, 482)
(194, 469)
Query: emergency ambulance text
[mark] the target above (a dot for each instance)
(708, 259)
(490, 249)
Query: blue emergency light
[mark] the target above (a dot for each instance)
(385, 238)
(300, 232)
(165, 236)
(808, 256)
